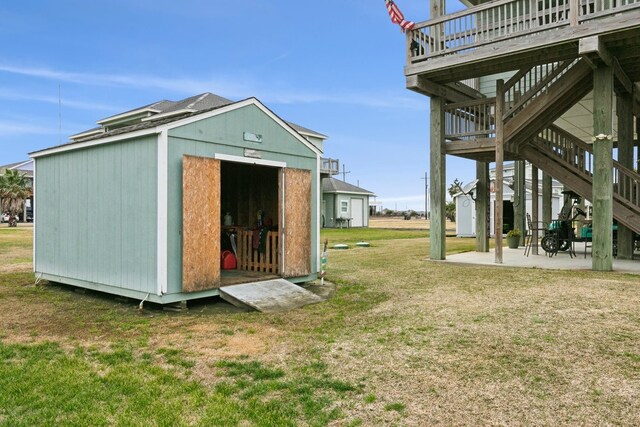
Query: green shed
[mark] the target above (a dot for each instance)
(150, 204)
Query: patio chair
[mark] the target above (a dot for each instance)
(540, 229)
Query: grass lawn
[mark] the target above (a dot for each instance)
(404, 341)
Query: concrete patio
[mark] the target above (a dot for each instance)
(562, 261)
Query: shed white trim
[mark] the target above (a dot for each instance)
(33, 216)
(288, 127)
(249, 160)
(235, 106)
(318, 211)
(163, 206)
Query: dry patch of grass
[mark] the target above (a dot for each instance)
(405, 341)
(478, 345)
(398, 223)
(15, 249)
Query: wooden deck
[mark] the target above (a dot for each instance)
(507, 35)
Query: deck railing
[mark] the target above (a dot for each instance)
(501, 19)
(470, 120)
(330, 166)
(528, 84)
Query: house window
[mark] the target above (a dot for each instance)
(344, 207)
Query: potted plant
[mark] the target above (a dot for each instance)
(513, 238)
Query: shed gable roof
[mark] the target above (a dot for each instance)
(182, 117)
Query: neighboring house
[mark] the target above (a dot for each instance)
(25, 168)
(344, 204)
(135, 207)
(466, 205)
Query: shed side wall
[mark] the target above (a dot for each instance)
(96, 213)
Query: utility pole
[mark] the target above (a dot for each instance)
(426, 195)
(344, 174)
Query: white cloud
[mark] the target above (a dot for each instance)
(228, 88)
(26, 126)
(17, 128)
(122, 80)
(9, 94)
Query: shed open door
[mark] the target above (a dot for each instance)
(200, 223)
(296, 257)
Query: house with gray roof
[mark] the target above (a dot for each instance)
(344, 204)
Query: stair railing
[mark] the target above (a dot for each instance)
(526, 85)
(579, 156)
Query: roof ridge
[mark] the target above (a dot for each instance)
(200, 98)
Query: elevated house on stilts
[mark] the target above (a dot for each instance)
(550, 82)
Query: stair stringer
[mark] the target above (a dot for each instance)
(577, 182)
(563, 94)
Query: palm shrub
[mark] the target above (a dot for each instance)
(13, 192)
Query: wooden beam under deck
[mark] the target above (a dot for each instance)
(450, 92)
(596, 52)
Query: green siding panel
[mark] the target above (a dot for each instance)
(224, 135)
(97, 213)
(227, 129)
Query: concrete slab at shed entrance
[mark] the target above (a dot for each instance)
(269, 296)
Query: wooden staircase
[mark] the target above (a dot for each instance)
(547, 93)
(533, 99)
(570, 160)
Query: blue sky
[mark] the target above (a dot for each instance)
(333, 66)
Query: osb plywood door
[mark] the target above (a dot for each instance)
(200, 223)
(297, 223)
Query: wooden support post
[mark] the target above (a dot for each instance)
(603, 165)
(519, 198)
(499, 169)
(547, 197)
(437, 193)
(624, 108)
(534, 209)
(437, 8)
(637, 140)
(482, 207)
(574, 7)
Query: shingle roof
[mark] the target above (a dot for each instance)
(332, 185)
(302, 129)
(27, 172)
(201, 103)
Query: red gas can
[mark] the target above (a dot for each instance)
(228, 260)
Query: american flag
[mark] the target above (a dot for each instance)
(397, 17)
